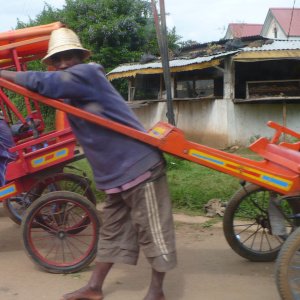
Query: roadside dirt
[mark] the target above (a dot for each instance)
(208, 269)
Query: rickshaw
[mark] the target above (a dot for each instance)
(60, 233)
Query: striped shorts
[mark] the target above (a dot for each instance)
(139, 218)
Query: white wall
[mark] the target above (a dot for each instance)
(270, 32)
(221, 123)
(202, 121)
(250, 120)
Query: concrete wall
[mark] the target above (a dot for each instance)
(247, 121)
(221, 123)
(202, 121)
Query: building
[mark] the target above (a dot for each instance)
(224, 92)
(282, 23)
(240, 30)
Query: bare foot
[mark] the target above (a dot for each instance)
(85, 293)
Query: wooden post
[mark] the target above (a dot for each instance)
(161, 31)
(229, 80)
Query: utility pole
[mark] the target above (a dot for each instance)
(161, 33)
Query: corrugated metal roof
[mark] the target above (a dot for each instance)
(173, 63)
(276, 45)
(277, 49)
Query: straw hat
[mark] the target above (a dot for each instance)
(63, 39)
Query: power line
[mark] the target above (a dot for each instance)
(291, 18)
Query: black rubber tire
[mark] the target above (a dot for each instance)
(77, 183)
(60, 236)
(284, 271)
(246, 224)
(15, 207)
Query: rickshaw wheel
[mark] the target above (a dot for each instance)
(246, 224)
(287, 271)
(57, 244)
(17, 205)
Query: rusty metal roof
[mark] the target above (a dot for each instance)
(176, 65)
(262, 49)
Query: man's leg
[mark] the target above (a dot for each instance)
(151, 214)
(155, 291)
(93, 290)
(115, 238)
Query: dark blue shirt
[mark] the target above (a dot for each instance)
(115, 158)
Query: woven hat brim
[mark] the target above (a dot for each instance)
(47, 58)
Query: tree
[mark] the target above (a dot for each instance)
(117, 31)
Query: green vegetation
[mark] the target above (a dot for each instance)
(193, 185)
(116, 31)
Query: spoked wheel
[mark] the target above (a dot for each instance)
(60, 232)
(247, 227)
(16, 206)
(287, 270)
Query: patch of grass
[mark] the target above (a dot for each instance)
(193, 189)
(192, 185)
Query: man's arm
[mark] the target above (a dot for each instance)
(8, 75)
(73, 82)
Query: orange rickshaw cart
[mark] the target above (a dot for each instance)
(61, 232)
(271, 181)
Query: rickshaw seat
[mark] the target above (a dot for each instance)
(294, 146)
(279, 154)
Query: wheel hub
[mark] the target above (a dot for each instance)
(261, 220)
(61, 235)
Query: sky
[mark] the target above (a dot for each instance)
(198, 20)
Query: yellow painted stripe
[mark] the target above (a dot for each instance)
(57, 155)
(263, 55)
(7, 190)
(264, 177)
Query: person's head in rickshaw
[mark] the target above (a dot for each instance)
(65, 50)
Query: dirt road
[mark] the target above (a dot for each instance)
(208, 269)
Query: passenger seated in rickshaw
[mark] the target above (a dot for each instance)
(21, 130)
(6, 142)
